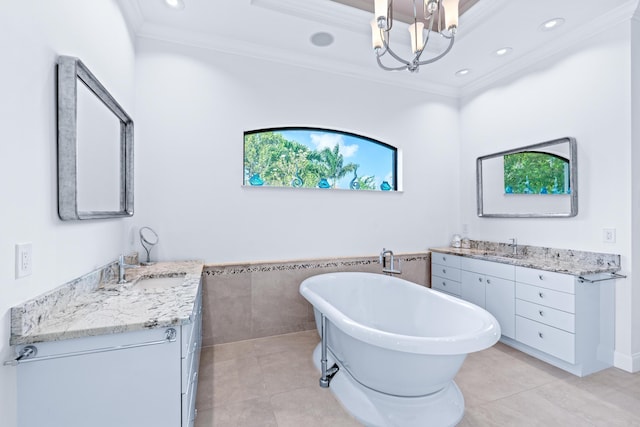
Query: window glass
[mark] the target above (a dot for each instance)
(318, 158)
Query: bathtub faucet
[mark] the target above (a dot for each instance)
(383, 260)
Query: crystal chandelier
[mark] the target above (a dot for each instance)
(434, 12)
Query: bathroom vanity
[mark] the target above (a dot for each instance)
(114, 355)
(558, 310)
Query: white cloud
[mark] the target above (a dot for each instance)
(329, 140)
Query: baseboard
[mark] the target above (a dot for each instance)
(629, 363)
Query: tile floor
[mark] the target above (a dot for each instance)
(272, 382)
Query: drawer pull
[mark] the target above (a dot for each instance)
(479, 279)
(444, 283)
(540, 335)
(444, 258)
(540, 294)
(541, 277)
(444, 271)
(541, 313)
(488, 282)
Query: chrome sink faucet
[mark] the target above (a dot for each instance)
(514, 244)
(122, 266)
(383, 261)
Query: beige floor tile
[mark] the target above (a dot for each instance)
(286, 371)
(272, 382)
(497, 373)
(310, 406)
(303, 342)
(237, 380)
(522, 409)
(233, 350)
(249, 413)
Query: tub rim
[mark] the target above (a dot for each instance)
(478, 339)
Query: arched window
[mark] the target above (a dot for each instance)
(318, 158)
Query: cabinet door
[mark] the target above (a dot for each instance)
(127, 387)
(501, 296)
(472, 287)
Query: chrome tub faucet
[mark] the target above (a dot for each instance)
(383, 260)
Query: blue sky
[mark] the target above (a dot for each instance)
(374, 159)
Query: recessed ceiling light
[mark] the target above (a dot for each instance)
(503, 51)
(463, 72)
(322, 39)
(175, 4)
(551, 24)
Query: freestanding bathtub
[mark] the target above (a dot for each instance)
(397, 346)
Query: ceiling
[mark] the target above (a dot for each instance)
(281, 30)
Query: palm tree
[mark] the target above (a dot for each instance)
(330, 164)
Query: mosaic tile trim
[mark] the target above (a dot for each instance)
(230, 269)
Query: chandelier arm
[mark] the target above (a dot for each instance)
(434, 59)
(426, 41)
(384, 67)
(392, 53)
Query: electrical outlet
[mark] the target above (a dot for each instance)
(609, 235)
(24, 260)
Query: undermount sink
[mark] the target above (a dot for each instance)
(158, 282)
(504, 255)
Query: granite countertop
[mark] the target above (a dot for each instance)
(576, 263)
(89, 306)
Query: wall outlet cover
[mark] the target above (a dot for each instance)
(24, 260)
(609, 235)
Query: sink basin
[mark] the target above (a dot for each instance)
(158, 282)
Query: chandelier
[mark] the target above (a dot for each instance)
(433, 14)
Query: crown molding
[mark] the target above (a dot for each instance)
(132, 15)
(323, 11)
(562, 44)
(287, 57)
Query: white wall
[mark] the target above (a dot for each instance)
(192, 108)
(634, 301)
(33, 34)
(586, 95)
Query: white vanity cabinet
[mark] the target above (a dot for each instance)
(139, 378)
(445, 273)
(564, 320)
(491, 286)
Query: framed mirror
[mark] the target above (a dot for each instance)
(536, 181)
(95, 147)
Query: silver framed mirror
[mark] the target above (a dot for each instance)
(535, 181)
(95, 147)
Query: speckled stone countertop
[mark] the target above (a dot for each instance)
(96, 304)
(567, 261)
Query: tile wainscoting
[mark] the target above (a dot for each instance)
(255, 300)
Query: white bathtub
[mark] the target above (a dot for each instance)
(397, 338)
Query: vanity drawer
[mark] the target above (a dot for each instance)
(546, 297)
(449, 286)
(546, 279)
(446, 272)
(445, 259)
(548, 316)
(555, 342)
(488, 268)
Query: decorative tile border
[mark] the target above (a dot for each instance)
(244, 268)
